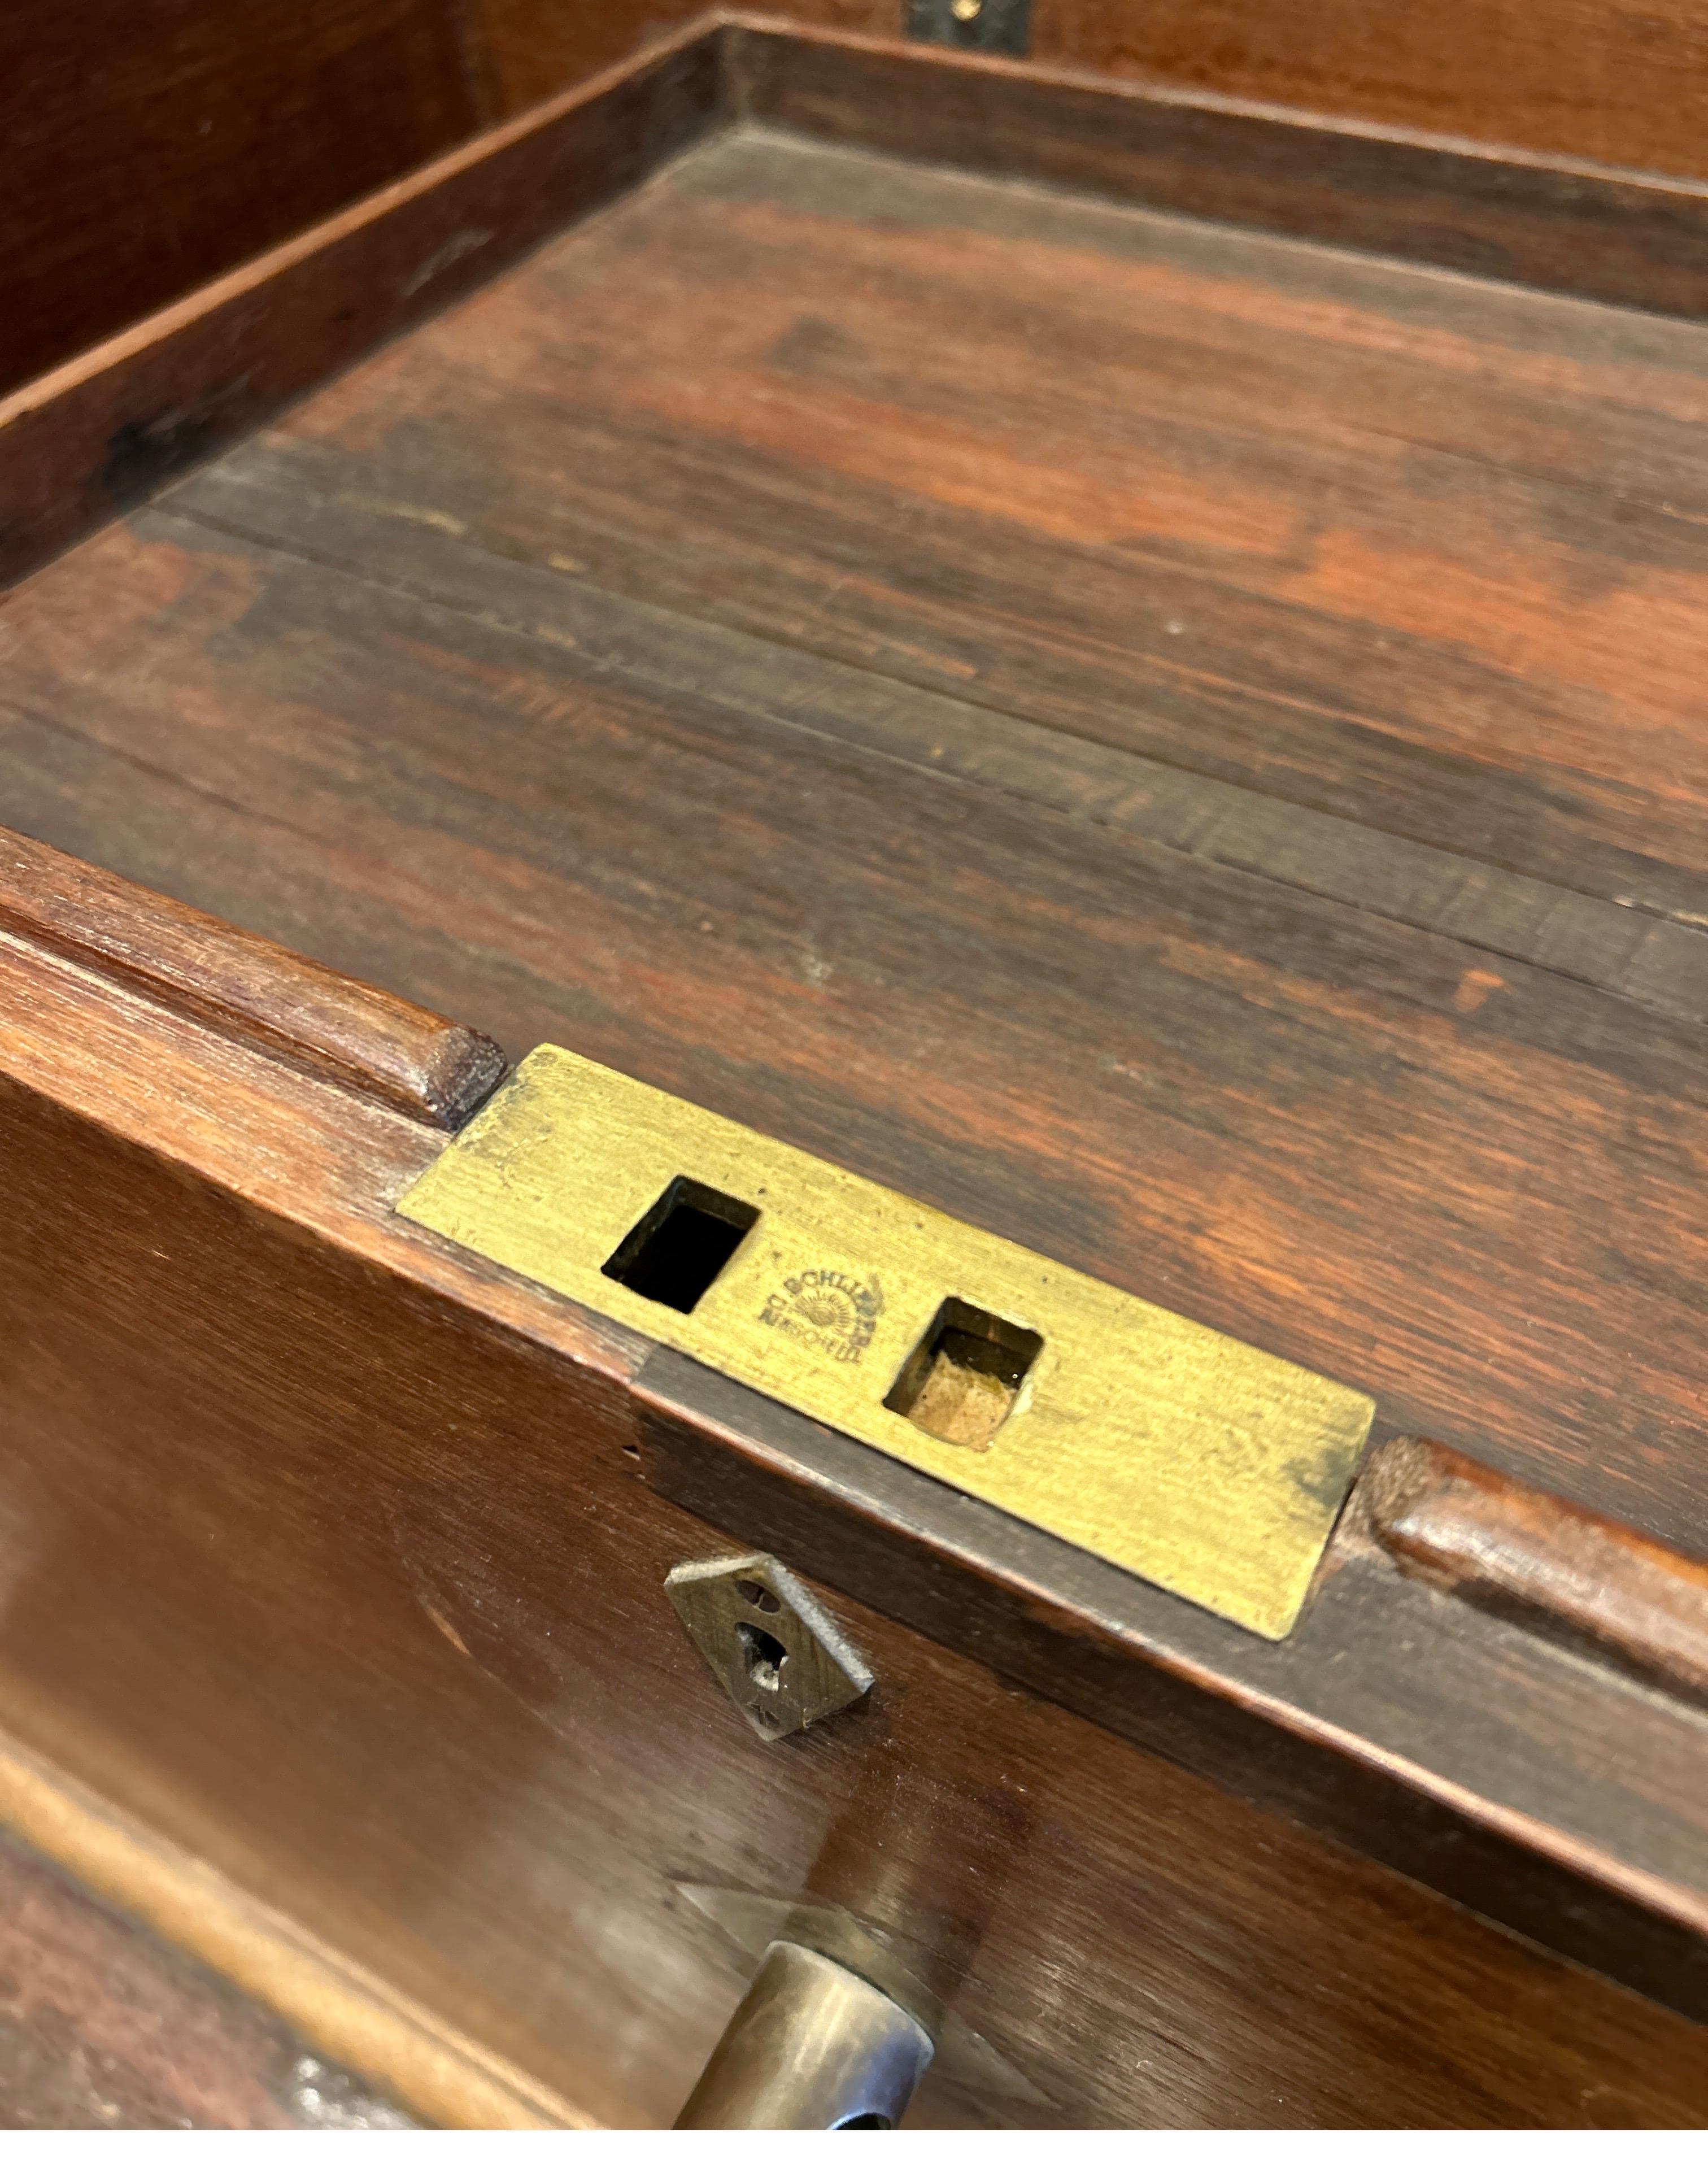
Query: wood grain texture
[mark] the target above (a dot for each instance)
(538, 47)
(1135, 734)
(1540, 1561)
(1551, 1798)
(150, 150)
(106, 428)
(1607, 80)
(204, 136)
(369, 1616)
(104, 2026)
(1203, 780)
(304, 1980)
(432, 1070)
(1619, 237)
(1414, 551)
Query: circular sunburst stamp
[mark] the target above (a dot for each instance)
(830, 1311)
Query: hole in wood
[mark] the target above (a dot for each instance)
(962, 1380)
(762, 1654)
(673, 1255)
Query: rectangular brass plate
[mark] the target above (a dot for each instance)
(1192, 1459)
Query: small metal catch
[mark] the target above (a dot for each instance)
(985, 26)
(777, 1653)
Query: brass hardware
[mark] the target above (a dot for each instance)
(1169, 1449)
(775, 1651)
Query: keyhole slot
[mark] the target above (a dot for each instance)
(762, 1654)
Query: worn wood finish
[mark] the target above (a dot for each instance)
(1540, 1560)
(148, 155)
(1608, 80)
(149, 150)
(430, 1068)
(1619, 237)
(101, 431)
(406, 1670)
(102, 2026)
(1343, 1080)
(104, 430)
(1177, 747)
(1416, 552)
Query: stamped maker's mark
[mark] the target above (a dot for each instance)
(832, 1311)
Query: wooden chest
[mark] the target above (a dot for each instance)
(1125, 665)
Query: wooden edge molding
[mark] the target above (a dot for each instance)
(1593, 1585)
(1502, 1771)
(345, 2012)
(104, 431)
(1609, 234)
(418, 1062)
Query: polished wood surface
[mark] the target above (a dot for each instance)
(356, 1595)
(1537, 1560)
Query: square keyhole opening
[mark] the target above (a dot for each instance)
(674, 1253)
(961, 1381)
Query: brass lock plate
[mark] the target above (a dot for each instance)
(1172, 1450)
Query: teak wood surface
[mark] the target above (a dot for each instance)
(1177, 744)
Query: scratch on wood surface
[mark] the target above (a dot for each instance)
(443, 1625)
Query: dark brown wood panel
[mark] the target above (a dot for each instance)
(110, 427)
(538, 47)
(1619, 81)
(356, 1594)
(149, 152)
(1605, 80)
(149, 149)
(1413, 550)
(432, 684)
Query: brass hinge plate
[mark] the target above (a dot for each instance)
(1174, 1451)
